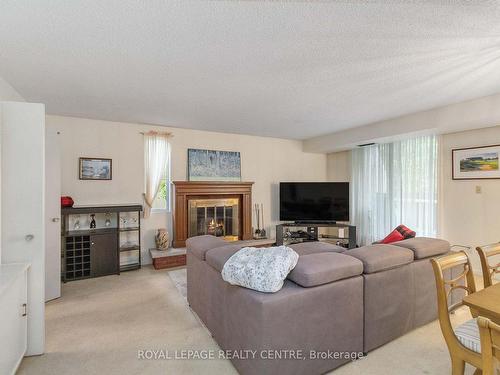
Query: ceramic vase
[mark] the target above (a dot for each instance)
(162, 239)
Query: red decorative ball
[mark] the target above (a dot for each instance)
(67, 202)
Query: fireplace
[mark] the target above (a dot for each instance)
(221, 209)
(219, 217)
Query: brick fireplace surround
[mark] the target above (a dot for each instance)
(186, 190)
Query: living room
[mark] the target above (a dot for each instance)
(238, 139)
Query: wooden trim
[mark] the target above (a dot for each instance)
(185, 190)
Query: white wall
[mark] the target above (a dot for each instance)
(473, 114)
(266, 161)
(339, 166)
(8, 93)
(468, 218)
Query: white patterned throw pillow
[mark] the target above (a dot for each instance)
(261, 269)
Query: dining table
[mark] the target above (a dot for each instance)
(485, 303)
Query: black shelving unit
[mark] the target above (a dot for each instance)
(92, 252)
(288, 233)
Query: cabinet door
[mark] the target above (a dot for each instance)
(52, 215)
(104, 254)
(13, 326)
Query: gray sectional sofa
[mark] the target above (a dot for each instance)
(335, 303)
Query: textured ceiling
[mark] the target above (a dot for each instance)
(293, 69)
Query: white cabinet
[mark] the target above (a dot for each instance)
(13, 317)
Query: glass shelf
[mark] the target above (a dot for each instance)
(129, 220)
(129, 257)
(129, 229)
(81, 222)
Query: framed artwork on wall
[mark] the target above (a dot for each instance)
(210, 165)
(476, 163)
(95, 169)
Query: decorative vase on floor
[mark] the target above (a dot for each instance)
(162, 239)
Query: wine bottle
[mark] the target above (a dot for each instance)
(92, 222)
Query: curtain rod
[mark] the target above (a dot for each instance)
(153, 132)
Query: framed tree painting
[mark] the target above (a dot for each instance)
(95, 169)
(476, 163)
(210, 165)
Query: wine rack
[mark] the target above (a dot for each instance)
(77, 257)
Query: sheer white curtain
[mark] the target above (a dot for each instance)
(395, 183)
(156, 159)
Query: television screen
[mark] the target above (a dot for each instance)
(314, 201)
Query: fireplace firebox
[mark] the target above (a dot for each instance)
(219, 217)
(221, 209)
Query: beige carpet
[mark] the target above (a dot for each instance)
(98, 326)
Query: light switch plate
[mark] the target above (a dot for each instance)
(479, 189)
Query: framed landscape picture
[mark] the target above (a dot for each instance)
(476, 163)
(210, 165)
(95, 169)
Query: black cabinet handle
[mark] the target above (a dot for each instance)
(25, 310)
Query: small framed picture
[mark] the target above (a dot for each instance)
(476, 163)
(95, 169)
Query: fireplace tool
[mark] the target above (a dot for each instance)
(262, 231)
(257, 215)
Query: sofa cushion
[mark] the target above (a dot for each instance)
(322, 268)
(314, 247)
(199, 245)
(218, 257)
(425, 247)
(377, 258)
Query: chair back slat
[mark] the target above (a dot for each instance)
(489, 270)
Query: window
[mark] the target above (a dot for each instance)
(156, 172)
(392, 184)
(162, 200)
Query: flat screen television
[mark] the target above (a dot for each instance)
(314, 201)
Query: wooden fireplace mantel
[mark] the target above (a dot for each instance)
(185, 190)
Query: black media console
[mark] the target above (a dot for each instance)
(341, 234)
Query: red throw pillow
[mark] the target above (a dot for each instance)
(394, 236)
(406, 232)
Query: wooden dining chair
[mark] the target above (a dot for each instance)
(490, 346)
(489, 270)
(463, 341)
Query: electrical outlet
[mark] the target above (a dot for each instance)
(479, 189)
